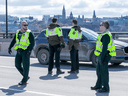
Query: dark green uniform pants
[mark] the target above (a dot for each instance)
(102, 73)
(24, 67)
(74, 56)
(53, 50)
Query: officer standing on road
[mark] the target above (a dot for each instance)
(56, 43)
(105, 49)
(24, 40)
(75, 36)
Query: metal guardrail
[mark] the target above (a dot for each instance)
(115, 35)
(11, 34)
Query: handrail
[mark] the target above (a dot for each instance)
(11, 34)
(116, 35)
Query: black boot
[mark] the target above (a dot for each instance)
(59, 71)
(22, 83)
(77, 71)
(49, 72)
(71, 72)
(95, 88)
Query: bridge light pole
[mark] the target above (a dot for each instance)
(6, 19)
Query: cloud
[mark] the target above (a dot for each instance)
(27, 2)
(2, 2)
(54, 7)
(110, 12)
(2, 9)
(80, 4)
(118, 4)
(42, 3)
(33, 10)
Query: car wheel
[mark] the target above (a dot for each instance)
(94, 59)
(116, 63)
(43, 56)
(63, 61)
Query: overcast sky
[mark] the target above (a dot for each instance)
(38, 8)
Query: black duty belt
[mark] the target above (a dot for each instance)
(19, 50)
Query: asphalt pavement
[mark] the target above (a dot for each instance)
(41, 84)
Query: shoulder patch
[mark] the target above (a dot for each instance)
(74, 33)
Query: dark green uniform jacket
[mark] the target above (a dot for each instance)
(105, 41)
(74, 43)
(54, 40)
(31, 40)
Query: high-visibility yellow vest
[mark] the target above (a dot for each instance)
(23, 43)
(99, 45)
(74, 34)
(53, 32)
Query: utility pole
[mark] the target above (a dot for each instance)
(6, 19)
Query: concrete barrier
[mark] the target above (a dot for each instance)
(4, 45)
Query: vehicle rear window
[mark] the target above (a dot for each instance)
(42, 34)
(91, 35)
(65, 32)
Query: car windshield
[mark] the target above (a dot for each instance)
(91, 35)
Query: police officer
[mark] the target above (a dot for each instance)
(56, 43)
(74, 36)
(24, 40)
(105, 49)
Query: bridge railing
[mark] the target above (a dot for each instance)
(11, 34)
(115, 35)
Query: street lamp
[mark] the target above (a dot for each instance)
(6, 19)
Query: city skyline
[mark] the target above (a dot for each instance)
(37, 9)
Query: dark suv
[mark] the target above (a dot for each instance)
(86, 52)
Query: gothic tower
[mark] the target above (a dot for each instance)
(71, 16)
(63, 13)
(94, 17)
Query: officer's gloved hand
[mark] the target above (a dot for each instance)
(28, 53)
(9, 51)
(59, 49)
(63, 46)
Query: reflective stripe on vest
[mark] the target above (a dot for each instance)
(23, 43)
(53, 32)
(99, 45)
(79, 35)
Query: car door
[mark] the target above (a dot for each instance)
(42, 38)
(63, 51)
(83, 49)
(66, 49)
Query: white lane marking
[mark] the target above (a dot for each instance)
(7, 67)
(40, 93)
(6, 57)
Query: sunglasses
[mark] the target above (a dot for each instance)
(25, 25)
(101, 25)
